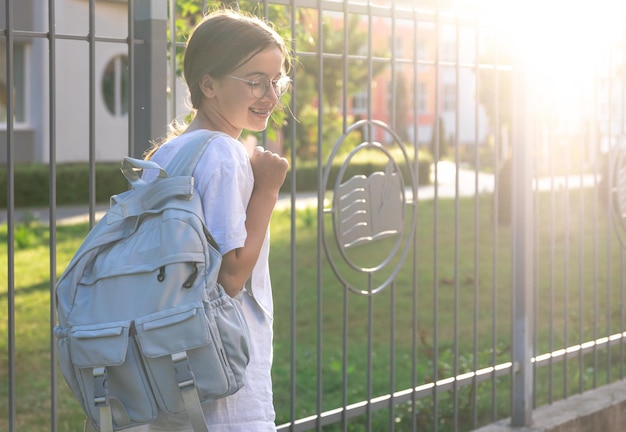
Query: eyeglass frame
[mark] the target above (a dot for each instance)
(271, 83)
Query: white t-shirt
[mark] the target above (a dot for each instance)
(224, 180)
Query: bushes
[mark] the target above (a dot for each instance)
(32, 181)
(32, 184)
(307, 174)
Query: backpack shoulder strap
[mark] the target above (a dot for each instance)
(182, 165)
(186, 159)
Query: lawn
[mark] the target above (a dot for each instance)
(455, 277)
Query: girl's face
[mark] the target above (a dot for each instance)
(231, 106)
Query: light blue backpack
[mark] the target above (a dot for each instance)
(144, 327)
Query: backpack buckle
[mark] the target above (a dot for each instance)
(100, 386)
(183, 374)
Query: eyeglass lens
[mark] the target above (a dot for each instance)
(263, 85)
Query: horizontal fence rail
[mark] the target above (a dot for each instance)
(447, 251)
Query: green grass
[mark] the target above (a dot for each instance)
(457, 267)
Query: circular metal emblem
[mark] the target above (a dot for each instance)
(372, 216)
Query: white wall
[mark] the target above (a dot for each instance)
(73, 82)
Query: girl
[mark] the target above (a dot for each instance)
(235, 67)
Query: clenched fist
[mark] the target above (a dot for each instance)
(269, 170)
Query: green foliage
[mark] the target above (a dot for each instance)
(307, 217)
(440, 142)
(32, 184)
(25, 233)
(307, 173)
(398, 104)
(307, 133)
(496, 84)
(457, 402)
(332, 42)
(331, 76)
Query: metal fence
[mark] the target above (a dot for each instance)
(458, 259)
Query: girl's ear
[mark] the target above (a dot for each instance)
(207, 84)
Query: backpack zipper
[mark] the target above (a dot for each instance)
(192, 278)
(161, 275)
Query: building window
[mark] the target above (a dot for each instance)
(449, 97)
(359, 103)
(421, 50)
(422, 98)
(399, 47)
(449, 52)
(17, 93)
(115, 86)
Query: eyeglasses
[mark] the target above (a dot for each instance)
(261, 86)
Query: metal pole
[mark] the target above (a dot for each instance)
(150, 74)
(522, 240)
(10, 109)
(52, 50)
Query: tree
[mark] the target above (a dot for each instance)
(334, 47)
(439, 142)
(398, 105)
(332, 42)
(495, 87)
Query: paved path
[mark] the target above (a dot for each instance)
(469, 183)
(67, 215)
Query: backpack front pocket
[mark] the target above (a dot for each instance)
(178, 350)
(109, 371)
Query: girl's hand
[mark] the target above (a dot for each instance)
(269, 170)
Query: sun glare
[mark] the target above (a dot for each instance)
(566, 46)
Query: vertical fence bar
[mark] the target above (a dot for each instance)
(522, 247)
(476, 221)
(622, 135)
(457, 126)
(173, 48)
(536, 276)
(565, 205)
(414, 276)
(91, 40)
(320, 211)
(392, 288)
(293, 269)
(609, 201)
(370, 299)
(235, 5)
(10, 215)
(581, 272)
(595, 207)
(52, 215)
(435, 365)
(346, 296)
(551, 276)
(131, 76)
(494, 233)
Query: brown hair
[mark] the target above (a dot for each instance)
(222, 42)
